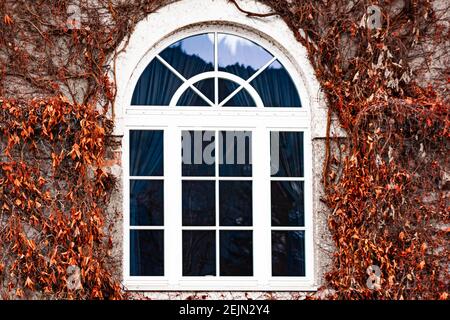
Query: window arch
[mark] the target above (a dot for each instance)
(215, 69)
(250, 220)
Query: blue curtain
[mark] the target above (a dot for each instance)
(146, 152)
(157, 84)
(290, 154)
(276, 88)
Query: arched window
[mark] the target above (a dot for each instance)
(216, 70)
(217, 166)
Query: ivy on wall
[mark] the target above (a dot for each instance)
(386, 185)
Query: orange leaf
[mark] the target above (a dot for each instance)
(8, 20)
(29, 283)
(421, 265)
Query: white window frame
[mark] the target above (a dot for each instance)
(150, 36)
(260, 120)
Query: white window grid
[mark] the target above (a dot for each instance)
(260, 120)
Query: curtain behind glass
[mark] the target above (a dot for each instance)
(157, 84)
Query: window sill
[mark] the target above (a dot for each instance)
(220, 285)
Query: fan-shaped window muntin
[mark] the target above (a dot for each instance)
(216, 69)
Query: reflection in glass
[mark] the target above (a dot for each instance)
(198, 153)
(288, 253)
(287, 203)
(235, 203)
(235, 153)
(199, 253)
(199, 203)
(240, 56)
(276, 88)
(146, 252)
(146, 153)
(236, 253)
(146, 202)
(156, 85)
(286, 154)
(192, 55)
(240, 99)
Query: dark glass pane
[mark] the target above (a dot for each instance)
(288, 253)
(198, 153)
(190, 99)
(199, 205)
(240, 56)
(241, 99)
(199, 253)
(156, 85)
(276, 88)
(286, 155)
(192, 55)
(287, 203)
(236, 253)
(235, 153)
(235, 198)
(146, 202)
(146, 153)
(206, 87)
(146, 253)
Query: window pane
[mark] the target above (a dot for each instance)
(199, 205)
(206, 87)
(236, 253)
(146, 253)
(287, 203)
(190, 99)
(235, 199)
(240, 56)
(286, 154)
(199, 253)
(192, 55)
(146, 153)
(276, 88)
(288, 253)
(241, 99)
(235, 153)
(198, 153)
(156, 85)
(146, 202)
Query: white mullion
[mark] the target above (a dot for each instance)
(261, 196)
(257, 73)
(217, 151)
(267, 207)
(179, 75)
(308, 207)
(216, 69)
(126, 204)
(172, 209)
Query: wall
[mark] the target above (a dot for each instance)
(130, 64)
